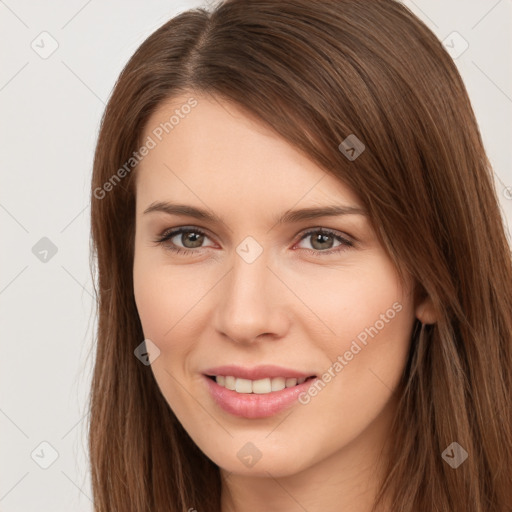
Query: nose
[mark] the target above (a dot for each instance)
(252, 302)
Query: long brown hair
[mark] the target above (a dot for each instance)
(317, 72)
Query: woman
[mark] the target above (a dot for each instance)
(304, 279)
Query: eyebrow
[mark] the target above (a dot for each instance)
(288, 217)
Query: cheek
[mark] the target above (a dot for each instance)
(151, 300)
(370, 316)
(165, 302)
(170, 303)
(357, 302)
(163, 296)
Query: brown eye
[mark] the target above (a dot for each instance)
(193, 238)
(322, 240)
(190, 239)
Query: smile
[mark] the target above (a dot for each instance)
(260, 386)
(258, 392)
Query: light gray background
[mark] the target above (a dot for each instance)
(51, 108)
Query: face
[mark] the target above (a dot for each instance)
(303, 315)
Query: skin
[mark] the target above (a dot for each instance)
(290, 307)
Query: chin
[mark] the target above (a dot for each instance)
(277, 464)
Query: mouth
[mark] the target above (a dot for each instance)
(270, 391)
(260, 386)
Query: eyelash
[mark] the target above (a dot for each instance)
(168, 235)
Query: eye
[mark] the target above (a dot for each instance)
(191, 239)
(322, 241)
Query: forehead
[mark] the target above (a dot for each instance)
(210, 150)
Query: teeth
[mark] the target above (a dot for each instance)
(291, 382)
(243, 386)
(261, 386)
(278, 383)
(229, 382)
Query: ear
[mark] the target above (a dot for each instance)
(425, 312)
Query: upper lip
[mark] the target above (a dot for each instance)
(257, 372)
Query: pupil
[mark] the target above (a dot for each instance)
(189, 237)
(321, 239)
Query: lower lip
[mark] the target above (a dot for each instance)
(254, 405)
